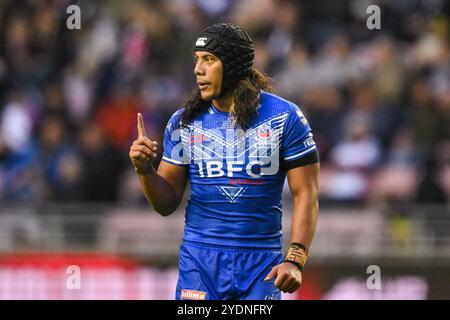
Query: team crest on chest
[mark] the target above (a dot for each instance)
(264, 132)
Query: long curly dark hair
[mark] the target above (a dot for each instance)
(243, 104)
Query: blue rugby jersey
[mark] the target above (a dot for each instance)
(237, 176)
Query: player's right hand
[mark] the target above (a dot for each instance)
(143, 151)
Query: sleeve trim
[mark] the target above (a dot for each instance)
(310, 158)
(176, 162)
(300, 154)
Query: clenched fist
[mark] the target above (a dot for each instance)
(288, 277)
(143, 151)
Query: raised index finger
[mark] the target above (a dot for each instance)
(140, 125)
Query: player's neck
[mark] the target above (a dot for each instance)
(223, 104)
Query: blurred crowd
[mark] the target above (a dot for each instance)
(378, 100)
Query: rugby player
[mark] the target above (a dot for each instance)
(235, 141)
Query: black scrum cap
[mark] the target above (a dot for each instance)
(233, 46)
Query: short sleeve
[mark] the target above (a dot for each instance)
(298, 141)
(174, 142)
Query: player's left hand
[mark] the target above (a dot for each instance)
(289, 277)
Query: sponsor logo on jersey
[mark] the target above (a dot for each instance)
(227, 152)
(246, 181)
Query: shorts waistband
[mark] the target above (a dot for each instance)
(203, 245)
